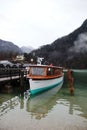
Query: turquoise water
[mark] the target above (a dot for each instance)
(50, 110)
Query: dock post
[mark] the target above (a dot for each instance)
(21, 80)
(10, 70)
(71, 80)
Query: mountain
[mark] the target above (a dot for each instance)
(68, 51)
(8, 48)
(27, 49)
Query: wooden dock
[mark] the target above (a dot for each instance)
(9, 78)
(7, 74)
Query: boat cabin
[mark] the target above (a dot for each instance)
(45, 71)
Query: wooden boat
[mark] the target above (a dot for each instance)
(44, 77)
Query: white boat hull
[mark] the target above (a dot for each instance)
(37, 86)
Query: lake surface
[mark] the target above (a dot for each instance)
(50, 110)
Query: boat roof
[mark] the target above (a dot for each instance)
(46, 66)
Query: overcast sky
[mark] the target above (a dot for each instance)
(39, 22)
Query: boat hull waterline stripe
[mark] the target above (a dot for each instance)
(45, 88)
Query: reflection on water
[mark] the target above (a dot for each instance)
(41, 104)
(51, 108)
(7, 105)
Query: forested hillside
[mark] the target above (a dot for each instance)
(67, 51)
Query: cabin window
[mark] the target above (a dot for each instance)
(57, 71)
(38, 71)
(50, 71)
(53, 71)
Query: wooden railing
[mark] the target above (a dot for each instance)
(6, 72)
(11, 73)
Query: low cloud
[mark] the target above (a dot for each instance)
(80, 45)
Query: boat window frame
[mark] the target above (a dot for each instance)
(37, 74)
(53, 71)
